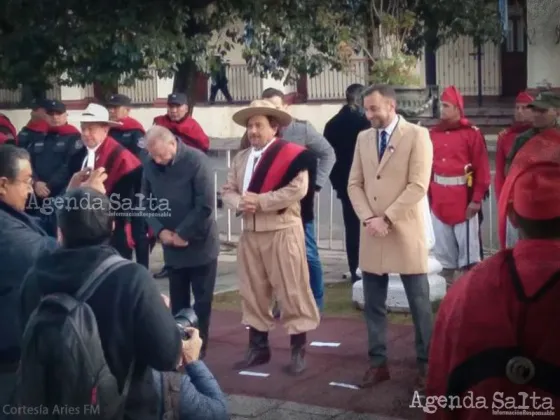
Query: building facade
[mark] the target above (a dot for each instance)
(529, 58)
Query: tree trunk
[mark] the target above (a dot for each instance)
(32, 92)
(103, 90)
(185, 81)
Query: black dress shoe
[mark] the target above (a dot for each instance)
(162, 274)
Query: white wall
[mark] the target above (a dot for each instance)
(543, 52)
(215, 120)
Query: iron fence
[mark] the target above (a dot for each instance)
(328, 217)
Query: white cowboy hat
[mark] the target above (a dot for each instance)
(261, 107)
(95, 113)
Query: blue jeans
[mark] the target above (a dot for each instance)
(314, 263)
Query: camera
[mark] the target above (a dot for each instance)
(186, 318)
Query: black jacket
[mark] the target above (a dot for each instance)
(185, 190)
(342, 133)
(132, 319)
(22, 241)
(50, 156)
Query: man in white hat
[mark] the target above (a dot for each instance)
(266, 185)
(124, 170)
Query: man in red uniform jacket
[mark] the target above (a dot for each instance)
(122, 167)
(37, 125)
(51, 148)
(181, 124)
(460, 182)
(8, 129)
(130, 134)
(523, 118)
(544, 146)
(522, 122)
(495, 336)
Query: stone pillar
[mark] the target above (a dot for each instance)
(396, 297)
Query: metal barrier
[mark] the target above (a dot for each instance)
(328, 217)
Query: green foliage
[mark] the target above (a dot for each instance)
(392, 63)
(443, 20)
(78, 42)
(308, 37)
(75, 42)
(286, 38)
(398, 70)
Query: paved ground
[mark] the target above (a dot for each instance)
(242, 407)
(276, 407)
(336, 361)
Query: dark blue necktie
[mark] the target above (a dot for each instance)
(382, 144)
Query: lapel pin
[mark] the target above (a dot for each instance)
(391, 149)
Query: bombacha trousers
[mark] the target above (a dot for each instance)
(275, 264)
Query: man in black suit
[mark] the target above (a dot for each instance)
(180, 178)
(342, 132)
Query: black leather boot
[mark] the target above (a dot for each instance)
(297, 363)
(258, 352)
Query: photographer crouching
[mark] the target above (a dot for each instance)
(191, 392)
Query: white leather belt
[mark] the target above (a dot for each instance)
(450, 180)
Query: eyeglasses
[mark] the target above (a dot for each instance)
(28, 182)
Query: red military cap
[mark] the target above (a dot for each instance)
(543, 151)
(524, 98)
(452, 96)
(3, 138)
(533, 191)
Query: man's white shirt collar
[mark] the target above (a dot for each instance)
(254, 157)
(258, 153)
(391, 127)
(389, 130)
(89, 161)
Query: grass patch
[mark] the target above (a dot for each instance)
(338, 303)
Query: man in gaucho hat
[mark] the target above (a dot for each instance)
(267, 185)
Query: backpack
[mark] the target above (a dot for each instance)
(63, 373)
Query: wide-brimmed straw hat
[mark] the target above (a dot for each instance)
(95, 113)
(261, 107)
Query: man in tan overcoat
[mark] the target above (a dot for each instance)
(266, 185)
(388, 180)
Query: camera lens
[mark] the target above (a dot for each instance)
(186, 318)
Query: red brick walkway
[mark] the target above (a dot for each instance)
(343, 364)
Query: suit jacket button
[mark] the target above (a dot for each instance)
(374, 198)
(378, 177)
